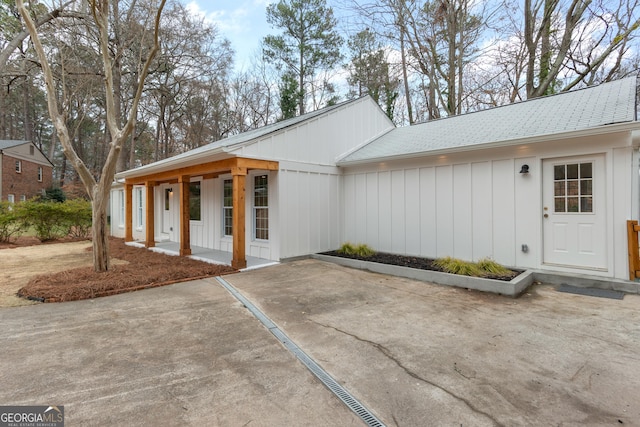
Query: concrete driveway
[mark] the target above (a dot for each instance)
(414, 354)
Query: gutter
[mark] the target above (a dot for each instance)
(634, 127)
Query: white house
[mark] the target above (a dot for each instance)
(276, 189)
(547, 184)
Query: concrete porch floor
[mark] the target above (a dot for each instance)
(205, 254)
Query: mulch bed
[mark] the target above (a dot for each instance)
(145, 269)
(410, 261)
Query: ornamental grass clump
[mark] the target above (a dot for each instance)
(458, 266)
(360, 250)
(491, 267)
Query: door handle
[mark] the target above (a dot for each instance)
(546, 215)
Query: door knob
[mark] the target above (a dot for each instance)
(546, 215)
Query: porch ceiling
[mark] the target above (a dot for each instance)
(208, 169)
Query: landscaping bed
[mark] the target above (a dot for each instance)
(427, 270)
(137, 269)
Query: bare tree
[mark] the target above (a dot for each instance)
(568, 42)
(98, 190)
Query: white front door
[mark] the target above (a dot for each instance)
(574, 212)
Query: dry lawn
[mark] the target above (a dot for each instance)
(64, 272)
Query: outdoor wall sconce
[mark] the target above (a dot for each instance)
(524, 169)
(170, 190)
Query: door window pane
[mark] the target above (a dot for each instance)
(558, 188)
(558, 172)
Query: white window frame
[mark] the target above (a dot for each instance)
(121, 205)
(18, 166)
(257, 208)
(40, 174)
(11, 198)
(140, 211)
(23, 198)
(227, 210)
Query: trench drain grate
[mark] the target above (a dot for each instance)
(347, 398)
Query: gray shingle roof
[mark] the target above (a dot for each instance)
(5, 143)
(608, 103)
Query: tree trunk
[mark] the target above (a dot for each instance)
(100, 234)
(405, 76)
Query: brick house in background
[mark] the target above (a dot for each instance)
(24, 171)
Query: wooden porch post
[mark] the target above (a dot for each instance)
(128, 213)
(150, 220)
(239, 259)
(185, 237)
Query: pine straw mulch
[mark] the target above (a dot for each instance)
(143, 269)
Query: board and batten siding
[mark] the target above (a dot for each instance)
(319, 141)
(473, 205)
(310, 209)
(209, 233)
(436, 211)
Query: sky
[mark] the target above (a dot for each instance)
(242, 22)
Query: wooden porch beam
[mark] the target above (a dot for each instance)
(185, 236)
(150, 224)
(239, 259)
(128, 213)
(217, 167)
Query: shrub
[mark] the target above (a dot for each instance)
(360, 250)
(10, 224)
(457, 266)
(77, 217)
(54, 195)
(47, 218)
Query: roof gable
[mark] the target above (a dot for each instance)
(606, 104)
(6, 143)
(251, 143)
(20, 149)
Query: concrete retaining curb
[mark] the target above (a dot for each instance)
(512, 288)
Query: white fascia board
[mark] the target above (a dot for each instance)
(173, 163)
(600, 130)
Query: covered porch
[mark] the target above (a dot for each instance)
(213, 256)
(180, 174)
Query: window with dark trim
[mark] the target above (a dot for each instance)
(194, 201)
